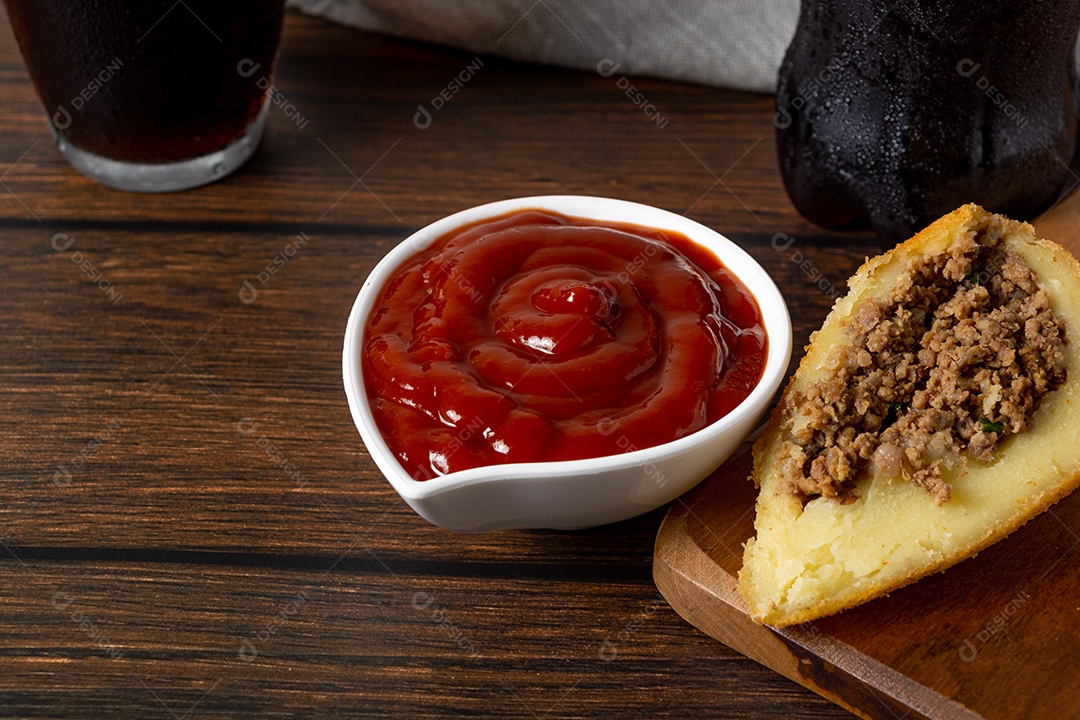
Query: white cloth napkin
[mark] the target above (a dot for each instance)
(729, 43)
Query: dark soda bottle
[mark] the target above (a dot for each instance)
(897, 113)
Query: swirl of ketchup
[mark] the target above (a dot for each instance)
(537, 337)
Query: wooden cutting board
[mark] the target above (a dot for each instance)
(996, 637)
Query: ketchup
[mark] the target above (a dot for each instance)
(538, 337)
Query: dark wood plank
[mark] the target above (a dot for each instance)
(514, 129)
(161, 638)
(180, 505)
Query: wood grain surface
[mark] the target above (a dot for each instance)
(191, 526)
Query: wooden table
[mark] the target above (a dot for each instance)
(191, 526)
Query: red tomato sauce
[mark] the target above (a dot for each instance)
(538, 337)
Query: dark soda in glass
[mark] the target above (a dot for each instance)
(151, 82)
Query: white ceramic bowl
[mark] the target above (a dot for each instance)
(575, 493)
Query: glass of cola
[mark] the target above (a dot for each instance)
(152, 95)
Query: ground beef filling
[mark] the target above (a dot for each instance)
(954, 360)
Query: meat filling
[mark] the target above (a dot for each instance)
(954, 360)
